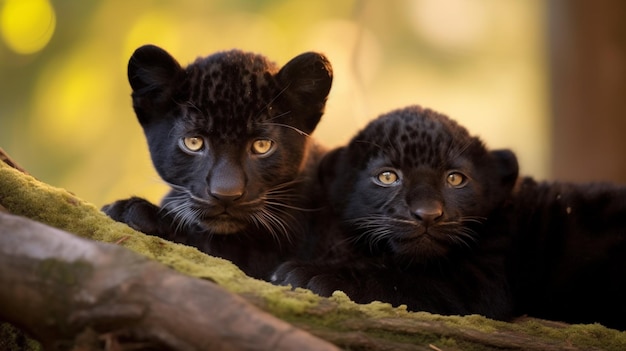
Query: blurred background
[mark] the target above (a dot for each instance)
(543, 78)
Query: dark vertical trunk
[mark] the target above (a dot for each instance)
(587, 48)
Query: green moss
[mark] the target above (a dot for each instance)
(595, 335)
(285, 301)
(13, 339)
(24, 195)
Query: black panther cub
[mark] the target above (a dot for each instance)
(229, 134)
(428, 217)
(411, 193)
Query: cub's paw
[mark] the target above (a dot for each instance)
(322, 280)
(296, 274)
(137, 213)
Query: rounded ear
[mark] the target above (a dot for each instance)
(307, 79)
(506, 166)
(151, 69)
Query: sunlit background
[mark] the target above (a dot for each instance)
(65, 108)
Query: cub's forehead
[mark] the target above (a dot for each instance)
(227, 91)
(411, 137)
(226, 63)
(235, 75)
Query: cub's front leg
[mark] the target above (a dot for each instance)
(320, 278)
(140, 215)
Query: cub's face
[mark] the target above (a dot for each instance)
(415, 183)
(229, 133)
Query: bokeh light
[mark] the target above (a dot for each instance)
(27, 25)
(453, 24)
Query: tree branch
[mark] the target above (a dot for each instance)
(58, 286)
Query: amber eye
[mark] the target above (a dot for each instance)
(387, 177)
(456, 179)
(262, 146)
(193, 143)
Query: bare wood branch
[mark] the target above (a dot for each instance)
(58, 286)
(4, 157)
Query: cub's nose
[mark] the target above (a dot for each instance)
(227, 181)
(429, 214)
(226, 196)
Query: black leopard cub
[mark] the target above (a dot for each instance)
(229, 134)
(426, 216)
(411, 194)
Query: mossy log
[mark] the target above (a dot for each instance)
(249, 313)
(66, 290)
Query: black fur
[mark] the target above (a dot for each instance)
(228, 198)
(499, 245)
(417, 241)
(568, 261)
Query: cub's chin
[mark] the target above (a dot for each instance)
(223, 225)
(422, 244)
(418, 249)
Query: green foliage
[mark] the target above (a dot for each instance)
(14, 339)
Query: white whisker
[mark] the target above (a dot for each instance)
(289, 127)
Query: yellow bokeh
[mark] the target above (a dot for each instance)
(69, 109)
(156, 27)
(27, 25)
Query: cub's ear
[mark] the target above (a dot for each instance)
(150, 70)
(506, 166)
(307, 79)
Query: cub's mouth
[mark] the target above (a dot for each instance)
(219, 219)
(420, 247)
(422, 242)
(419, 238)
(222, 220)
(223, 224)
